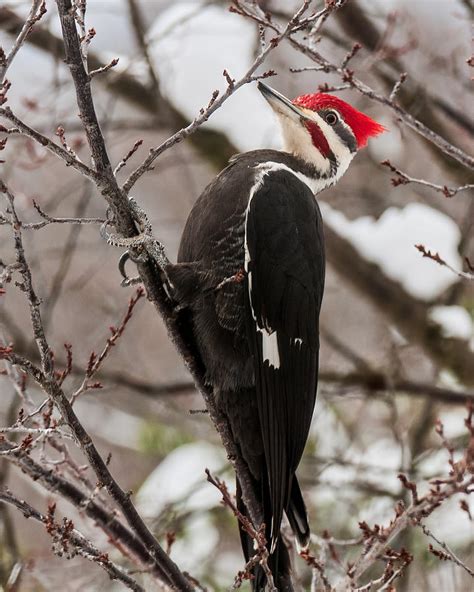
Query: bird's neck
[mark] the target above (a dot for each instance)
(312, 175)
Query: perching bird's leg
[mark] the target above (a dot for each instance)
(139, 247)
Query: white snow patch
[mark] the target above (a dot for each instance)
(326, 430)
(115, 426)
(180, 478)
(379, 510)
(390, 242)
(224, 564)
(455, 321)
(197, 546)
(184, 41)
(453, 422)
(450, 524)
(433, 464)
(382, 453)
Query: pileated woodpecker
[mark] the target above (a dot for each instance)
(251, 271)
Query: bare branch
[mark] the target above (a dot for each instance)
(404, 179)
(119, 534)
(24, 129)
(448, 554)
(66, 536)
(105, 68)
(397, 86)
(437, 259)
(257, 534)
(47, 220)
(95, 362)
(37, 10)
(129, 154)
(377, 539)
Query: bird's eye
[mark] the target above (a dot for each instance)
(331, 118)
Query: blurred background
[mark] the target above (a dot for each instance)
(397, 329)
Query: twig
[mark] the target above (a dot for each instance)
(24, 129)
(140, 30)
(95, 362)
(27, 287)
(437, 259)
(65, 535)
(257, 534)
(378, 538)
(448, 554)
(106, 519)
(355, 49)
(129, 154)
(37, 10)
(317, 567)
(47, 219)
(105, 68)
(397, 86)
(165, 567)
(404, 179)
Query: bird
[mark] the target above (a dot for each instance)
(250, 272)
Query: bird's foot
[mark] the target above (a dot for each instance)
(139, 248)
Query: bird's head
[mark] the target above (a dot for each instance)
(322, 129)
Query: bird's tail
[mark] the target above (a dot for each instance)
(278, 562)
(297, 515)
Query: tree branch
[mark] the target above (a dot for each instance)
(45, 378)
(66, 535)
(37, 10)
(107, 520)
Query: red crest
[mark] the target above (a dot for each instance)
(362, 125)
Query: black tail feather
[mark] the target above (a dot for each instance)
(297, 515)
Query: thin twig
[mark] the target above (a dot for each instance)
(107, 519)
(448, 553)
(404, 179)
(440, 261)
(257, 534)
(24, 129)
(37, 10)
(105, 68)
(96, 361)
(47, 220)
(65, 535)
(129, 154)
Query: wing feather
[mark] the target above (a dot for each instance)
(285, 266)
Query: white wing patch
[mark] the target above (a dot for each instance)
(270, 348)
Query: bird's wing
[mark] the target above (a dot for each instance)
(285, 277)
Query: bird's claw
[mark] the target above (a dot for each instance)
(127, 281)
(139, 247)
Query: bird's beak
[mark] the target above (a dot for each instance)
(280, 104)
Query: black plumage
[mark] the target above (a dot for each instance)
(251, 271)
